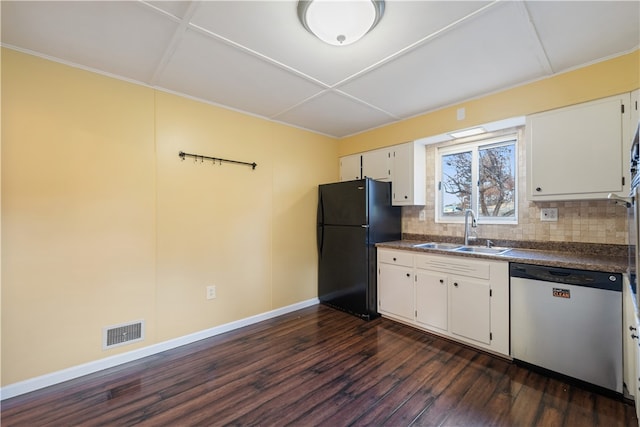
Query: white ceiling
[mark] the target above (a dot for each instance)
(255, 56)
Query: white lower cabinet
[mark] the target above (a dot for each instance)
(396, 284)
(631, 345)
(395, 290)
(471, 309)
(630, 340)
(465, 299)
(432, 296)
(637, 385)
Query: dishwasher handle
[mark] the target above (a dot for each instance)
(560, 273)
(568, 276)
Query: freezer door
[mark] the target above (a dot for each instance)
(343, 203)
(343, 269)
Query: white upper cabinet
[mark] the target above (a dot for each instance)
(409, 174)
(635, 111)
(350, 167)
(404, 165)
(579, 152)
(376, 164)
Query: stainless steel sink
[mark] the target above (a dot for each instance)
(482, 250)
(441, 246)
(454, 247)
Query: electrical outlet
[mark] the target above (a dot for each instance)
(549, 214)
(422, 216)
(211, 292)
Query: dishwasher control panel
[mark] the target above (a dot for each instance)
(570, 276)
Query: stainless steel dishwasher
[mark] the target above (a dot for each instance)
(568, 321)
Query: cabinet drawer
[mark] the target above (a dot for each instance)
(450, 265)
(396, 258)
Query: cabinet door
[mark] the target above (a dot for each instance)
(637, 378)
(578, 152)
(395, 290)
(635, 111)
(350, 167)
(376, 164)
(470, 308)
(630, 340)
(431, 299)
(409, 174)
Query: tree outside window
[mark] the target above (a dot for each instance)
(456, 183)
(496, 183)
(480, 176)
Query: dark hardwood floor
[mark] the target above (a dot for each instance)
(318, 366)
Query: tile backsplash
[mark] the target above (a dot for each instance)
(596, 221)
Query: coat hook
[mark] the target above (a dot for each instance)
(183, 155)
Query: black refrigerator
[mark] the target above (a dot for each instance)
(352, 217)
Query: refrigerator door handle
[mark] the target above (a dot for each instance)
(320, 239)
(320, 214)
(365, 226)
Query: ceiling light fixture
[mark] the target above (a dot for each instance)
(340, 22)
(467, 132)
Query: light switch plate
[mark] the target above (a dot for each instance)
(549, 214)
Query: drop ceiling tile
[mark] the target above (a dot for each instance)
(123, 38)
(335, 115)
(211, 70)
(493, 50)
(272, 28)
(255, 56)
(175, 8)
(585, 31)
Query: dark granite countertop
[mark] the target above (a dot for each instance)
(594, 257)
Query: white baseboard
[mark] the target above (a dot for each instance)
(57, 377)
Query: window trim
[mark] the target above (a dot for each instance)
(474, 147)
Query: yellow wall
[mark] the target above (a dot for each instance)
(612, 77)
(102, 223)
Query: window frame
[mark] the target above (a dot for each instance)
(474, 146)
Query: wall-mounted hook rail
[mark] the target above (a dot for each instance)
(182, 155)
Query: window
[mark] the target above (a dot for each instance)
(481, 176)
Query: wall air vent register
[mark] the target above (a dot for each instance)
(117, 335)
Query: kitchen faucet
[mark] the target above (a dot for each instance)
(468, 212)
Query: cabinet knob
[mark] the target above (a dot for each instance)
(394, 259)
(406, 197)
(441, 281)
(631, 328)
(408, 275)
(634, 336)
(538, 189)
(455, 284)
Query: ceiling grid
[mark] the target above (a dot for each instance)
(256, 56)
